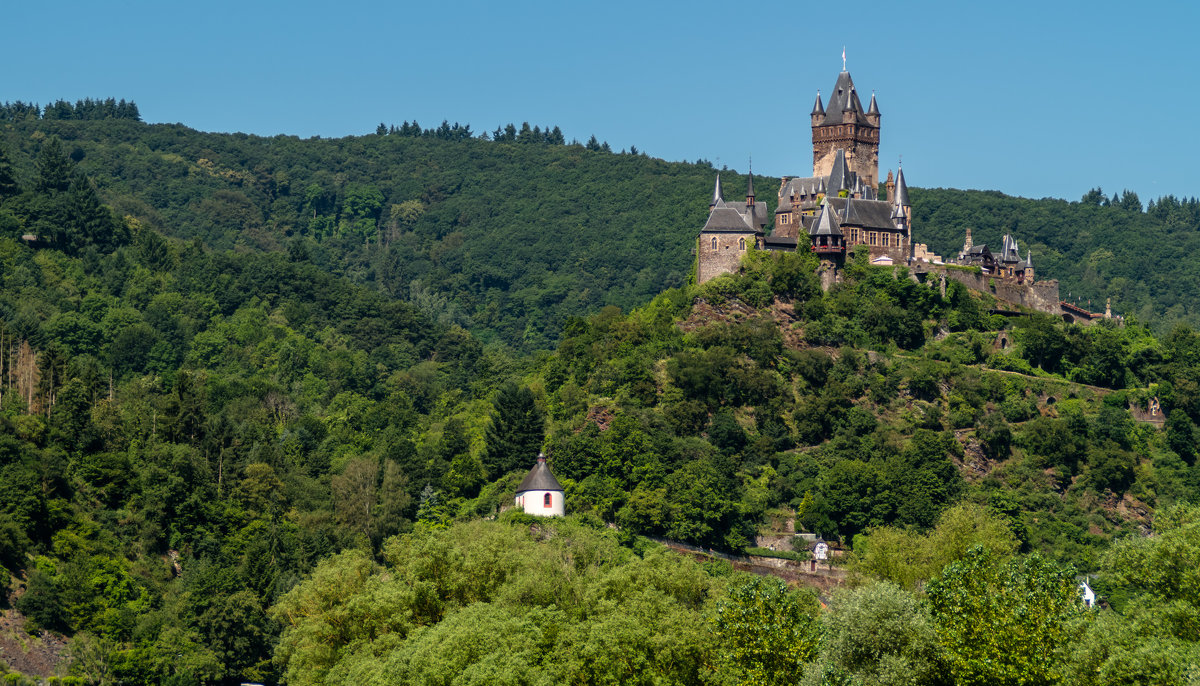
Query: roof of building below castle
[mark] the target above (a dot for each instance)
(539, 478)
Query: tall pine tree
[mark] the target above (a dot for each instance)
(8, 180)
(515, 434)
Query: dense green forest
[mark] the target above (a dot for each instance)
(223, 463)
(509, 232)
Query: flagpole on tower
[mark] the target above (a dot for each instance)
(843, 58)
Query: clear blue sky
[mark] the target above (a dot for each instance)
(1029, 98)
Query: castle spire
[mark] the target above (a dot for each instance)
(818, 108)
(839, 175)
(750, 187)
(901, 188)
(874, 108)
(718, 195)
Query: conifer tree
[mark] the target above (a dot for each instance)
(515, 434)
(8, 180)
(54, 168)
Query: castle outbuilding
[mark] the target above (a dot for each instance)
(540, 494)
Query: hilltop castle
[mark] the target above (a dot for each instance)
(839, 208)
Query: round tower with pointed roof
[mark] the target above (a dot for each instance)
(540, 494)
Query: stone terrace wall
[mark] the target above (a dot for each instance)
(1040, 295)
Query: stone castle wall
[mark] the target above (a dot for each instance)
(724, 258)
(1040, 295)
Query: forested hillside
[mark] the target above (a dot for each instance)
(509, 237)
(222, 464)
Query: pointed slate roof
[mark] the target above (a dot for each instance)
(839, 175)
(873, 108)
(901, 189)
(750, 185)
(1029, 259)
(818, 108)
(844, 98)
(539, 478)
(725, 218)
(827, 224)
(718, 194)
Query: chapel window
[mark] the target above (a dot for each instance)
(714, 243)
(741, 244)
(547, 500)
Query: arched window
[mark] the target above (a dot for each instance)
(714, 243)
(741, 244)
(548, 500)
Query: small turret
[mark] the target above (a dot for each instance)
(1029, 266)
(902, 190)
(850, 111)
(826, 233)
(890, 185)
(718, 195)
(750, 189)
(818, 112)
(873, 111)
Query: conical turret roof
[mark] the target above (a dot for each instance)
(873, 108)
(818, 108)
(718, 195)
(901, 189)
(539, 478)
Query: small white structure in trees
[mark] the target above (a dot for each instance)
(1089, 596)
(540, 494)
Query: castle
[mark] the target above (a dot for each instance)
(839, 208)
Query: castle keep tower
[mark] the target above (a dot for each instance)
(844, 125)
